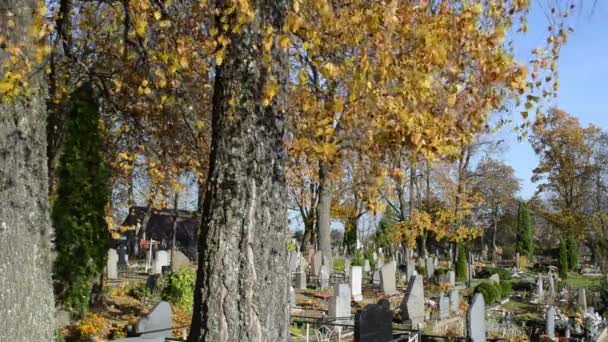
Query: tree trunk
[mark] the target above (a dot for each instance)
(174, 232)
(494, 229)
(241, 291)
(323, 210)
(309, 226)
(26, 293)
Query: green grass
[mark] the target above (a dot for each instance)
(576, 280)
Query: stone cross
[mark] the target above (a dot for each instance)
(112, 264)
(550, 322)
(356, 277)
(387, 278)
(476, 319)
(412, 306)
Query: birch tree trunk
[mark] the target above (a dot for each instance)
(26, 293)
(241, 291)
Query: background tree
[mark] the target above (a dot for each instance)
(81, 235)
(573, 252)
(497, 185)
(524, 242)
(26, 292)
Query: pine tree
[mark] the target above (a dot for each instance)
(563, 259)
(573, 252)
(79, 211)
(461, 263)
(524, 243)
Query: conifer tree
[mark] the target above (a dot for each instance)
(461, 263)
(572, 248)
(78, 213)
(524, 243)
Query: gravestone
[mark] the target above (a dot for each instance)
(301, 279)
(452, 278)
(375, 256)
(122, 255)
(339, 304)
(551, 284)
(582, 299)
(317, 261)
(435, 262)
(454, 300)
(476, 319)
(324, 277)
(517, 261)
(444, 307)
(366, 267)
(540, 291)
(376, 277)
(158, 318)
(430, 268)
(162, 259)
(347, 267)
(112, 264)
(374, 323)
(356, 277)
(387, 278)
(292, 296)
(412, 306)
(410, 268)
(550, 322)
(293, 261)
(379, 262)
(180, 260)
(494, 278)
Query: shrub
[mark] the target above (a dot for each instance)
(487, 272)
(489, 291)
(572, 247)
(339, 265)
(140, 291)
(505, 288)
(178, 287)
(291, 246)
(357, 259)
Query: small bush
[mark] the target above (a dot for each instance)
(487, 272)
(357, 259)
(489, 291)
(505, 288)
(140, 291)
(339, 265)
(178, 287)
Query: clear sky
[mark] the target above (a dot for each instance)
(583, 75)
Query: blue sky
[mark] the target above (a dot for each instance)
(583, 75)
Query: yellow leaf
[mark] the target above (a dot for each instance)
(451, 99)
(284, 42)
(183, 62)
(157, 15)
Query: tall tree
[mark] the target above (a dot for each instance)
(81, 235)
(242, 280)
(496, 183)
(566, 167)
(524, 242)
(26, 293)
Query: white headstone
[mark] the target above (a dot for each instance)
(454, 300)
(317, 262)
(366, 267)
(339, 304)
(476, 319)
(324, 277)
(550, 322)
(112, 264)
(162, 259)
(356, 277)
(444, 307)
(387, 278)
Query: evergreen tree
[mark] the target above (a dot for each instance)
(563, 259)
(524, 244)
(78, 212)
(572, 248)
(461, 263)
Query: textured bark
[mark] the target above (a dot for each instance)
(26, 294)
(241, 291)
(324, 210)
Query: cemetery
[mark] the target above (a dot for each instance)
(303, 170)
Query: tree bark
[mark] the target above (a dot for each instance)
(174, 232)
(324, 210)
(241, 291)
(494, 230)
(26, 293)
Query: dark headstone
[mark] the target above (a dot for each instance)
(374, 323)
